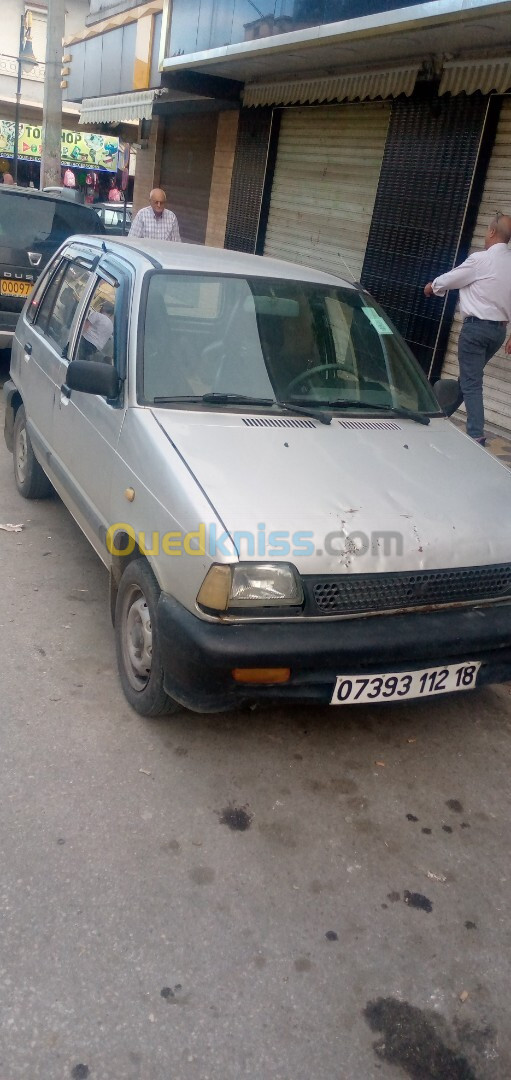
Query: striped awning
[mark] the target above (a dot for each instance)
(137, 105)
(361, 86)
(468, 76)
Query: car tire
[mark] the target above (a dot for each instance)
(31, 480)
(136, 640)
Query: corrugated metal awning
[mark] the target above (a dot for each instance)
(467, 76)
(137, 105)
(359, 86)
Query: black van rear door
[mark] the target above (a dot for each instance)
(32, 228)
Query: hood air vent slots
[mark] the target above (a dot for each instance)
(277, 422)
(295, 422)
(370, 425)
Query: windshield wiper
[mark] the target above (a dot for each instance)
(317, 414)
(398, 410)
(219, 398)
(215, 399)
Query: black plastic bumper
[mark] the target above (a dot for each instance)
(10, 389)
(198, 656)
(8, 323)
(9, 318)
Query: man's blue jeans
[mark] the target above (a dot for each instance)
(479, 340)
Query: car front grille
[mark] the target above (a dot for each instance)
(352, 594)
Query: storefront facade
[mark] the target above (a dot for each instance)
(381, 192)
(88, 158)
(113, 75)
(382, 169)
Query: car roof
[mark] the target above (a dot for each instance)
(111, 205)
(166, 255)
(12, 189)
(32, 194)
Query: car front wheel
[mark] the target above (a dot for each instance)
(136, 639)
(31, 481)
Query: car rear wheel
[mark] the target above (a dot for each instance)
(136, 639)
(31, 481)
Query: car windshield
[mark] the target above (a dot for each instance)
(273, 339)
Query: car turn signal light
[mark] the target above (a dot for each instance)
(265, 675)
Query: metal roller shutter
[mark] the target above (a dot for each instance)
(186, 170)
(325, 182)
(496, 196)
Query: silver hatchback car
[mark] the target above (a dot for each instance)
(284, 508)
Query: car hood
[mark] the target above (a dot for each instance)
(371, 495)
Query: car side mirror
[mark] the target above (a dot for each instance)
(93, 377)
(448, 394)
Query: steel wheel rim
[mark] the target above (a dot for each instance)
(137, 638)
(21, 455)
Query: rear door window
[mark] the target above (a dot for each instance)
(48, 276)
(58, 308)
(113, 218)
(44, 309)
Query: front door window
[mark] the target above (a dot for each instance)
(97, 335)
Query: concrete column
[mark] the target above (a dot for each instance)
(52, 102)
(148, 168)
(227, 131)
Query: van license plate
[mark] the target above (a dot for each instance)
(8, 287)
(358, 689)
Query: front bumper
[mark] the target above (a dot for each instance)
(198, 656)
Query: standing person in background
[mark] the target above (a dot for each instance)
(114, 194)
(8, 178)
(484, 281)
(155, 222)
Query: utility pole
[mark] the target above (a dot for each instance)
(52, 102)
(18, 99)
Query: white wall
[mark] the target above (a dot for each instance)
(76, 14)
(32, 80)
(100, 9)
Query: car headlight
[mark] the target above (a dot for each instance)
(250, 585)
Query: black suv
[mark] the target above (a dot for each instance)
(32, 227)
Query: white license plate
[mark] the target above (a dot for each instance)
(400, 685)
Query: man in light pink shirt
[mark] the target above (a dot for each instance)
(484, 281)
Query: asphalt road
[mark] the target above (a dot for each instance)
(357, 928)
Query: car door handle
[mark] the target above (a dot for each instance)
(65, 391)
(28, 348)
